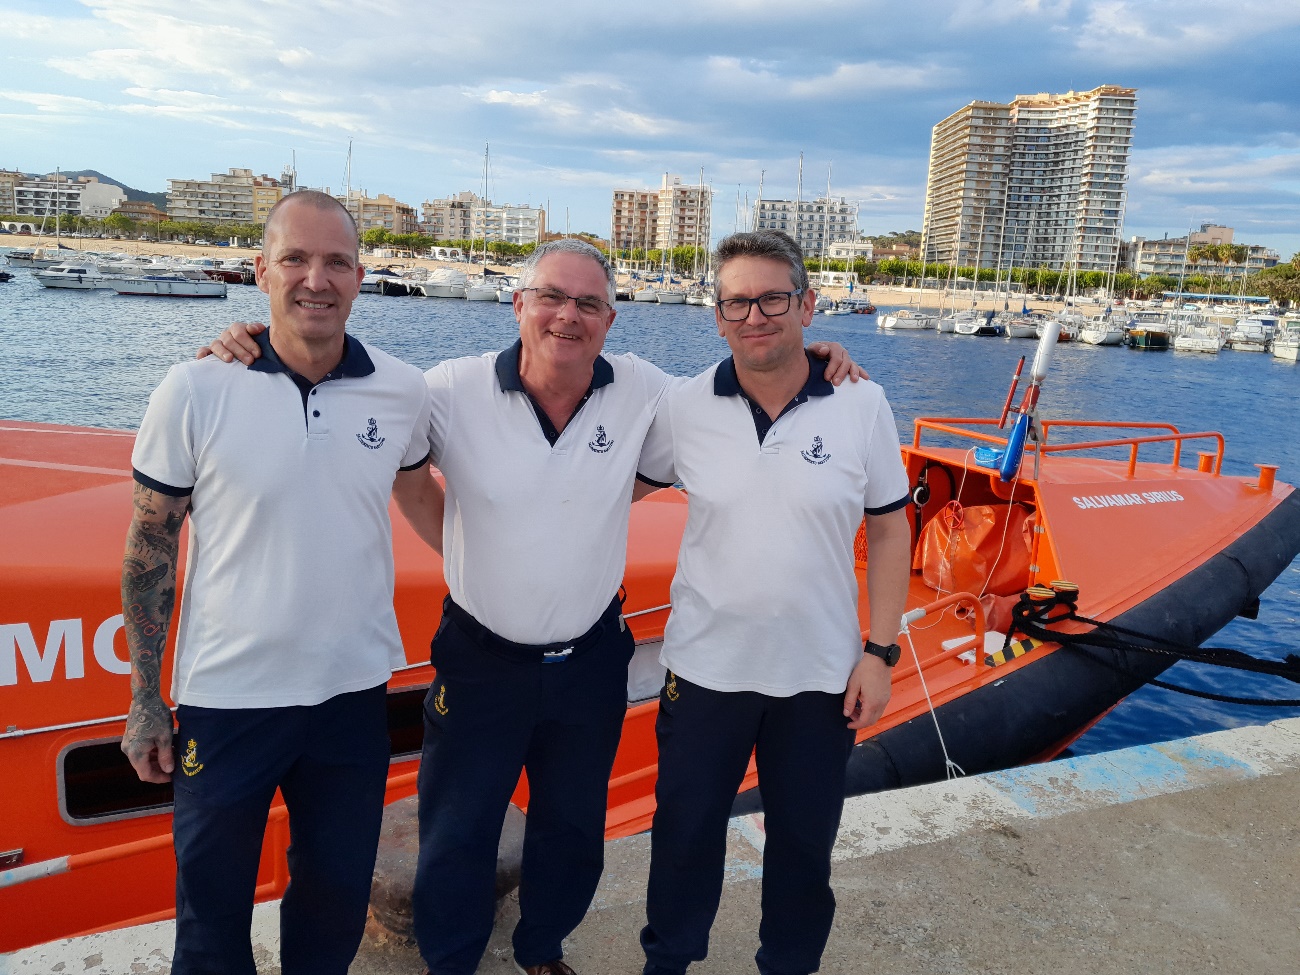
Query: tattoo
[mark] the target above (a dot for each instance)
(148, 597)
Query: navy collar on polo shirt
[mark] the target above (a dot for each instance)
(602, 374)
(355, 363)
(727, 383)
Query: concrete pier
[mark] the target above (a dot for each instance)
(1182, 857)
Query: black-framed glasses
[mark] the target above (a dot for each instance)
(771, 304)
(552, 299)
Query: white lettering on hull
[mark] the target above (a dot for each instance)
(1126, 500)
(18, 642)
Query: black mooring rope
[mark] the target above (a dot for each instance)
(1040, 606)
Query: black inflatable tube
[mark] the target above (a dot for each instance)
(1013, 721)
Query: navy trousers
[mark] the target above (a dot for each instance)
(330, 762)
(801, 744)
(488, 715)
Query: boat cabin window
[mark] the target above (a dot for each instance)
(97, 783)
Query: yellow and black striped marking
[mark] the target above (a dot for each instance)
(1018, 648)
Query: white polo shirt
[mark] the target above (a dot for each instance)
(765, 597)
(535, 532)
(288, 595)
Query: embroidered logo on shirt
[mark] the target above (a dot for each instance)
(371, 437)
(190, 763)
(816, 454)
(440, 702)
(601, 443)
(670, 688)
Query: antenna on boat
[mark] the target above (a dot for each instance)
(1027, 419)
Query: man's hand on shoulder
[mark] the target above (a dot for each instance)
(236, 342)
(838, 364)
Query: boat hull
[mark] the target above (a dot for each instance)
(169, 288)
(65, 500)
(1050, 701)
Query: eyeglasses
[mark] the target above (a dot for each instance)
(553, 300)
(771, 304)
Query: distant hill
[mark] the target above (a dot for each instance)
(157, 199)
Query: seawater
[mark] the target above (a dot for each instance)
(91, 358)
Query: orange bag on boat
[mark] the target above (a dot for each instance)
(959, 549)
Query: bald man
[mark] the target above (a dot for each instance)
(287, 634)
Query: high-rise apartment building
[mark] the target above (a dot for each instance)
(814, 224)
(677, 214)
(382, 211)
(9, 178)
(467, 216)
(634, 219)
(1038, 181)
(684, 214)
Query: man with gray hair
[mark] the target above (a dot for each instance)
(540, 445)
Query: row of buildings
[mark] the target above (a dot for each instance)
(238, 196)
(45, 196)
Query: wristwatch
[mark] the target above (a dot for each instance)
(889, 654)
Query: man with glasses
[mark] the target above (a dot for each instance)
(540, 446)
(763, 648)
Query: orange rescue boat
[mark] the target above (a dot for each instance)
(1156, 544)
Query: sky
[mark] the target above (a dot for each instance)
(575, 98)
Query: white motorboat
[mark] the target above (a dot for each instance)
(78, 277)
(1249, 335)
(982, 325)
(908, 319)
(949, 323)
(506, 289)
(1205, 337)
(1102, 331)
(446, 282)
(171, 285)
(646, 294)
(668, 297)
(824, 303)
(1286, 341)
(482, 288)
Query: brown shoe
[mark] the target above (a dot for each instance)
(556, 967)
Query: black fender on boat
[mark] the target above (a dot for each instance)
(1015, 720)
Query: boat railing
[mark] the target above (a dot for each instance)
(1213, 465)
(960, 427)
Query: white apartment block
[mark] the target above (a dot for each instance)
(816, 225)
(675, 215)
(684, 214)
(1038, 181)
(467, 216)
(83, 196)
(225, 198)
(1172, 256)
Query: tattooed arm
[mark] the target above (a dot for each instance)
(148, 596)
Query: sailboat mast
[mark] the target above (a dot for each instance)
(758, 203)
(798, 204)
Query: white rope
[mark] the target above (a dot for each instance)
(951, 769)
